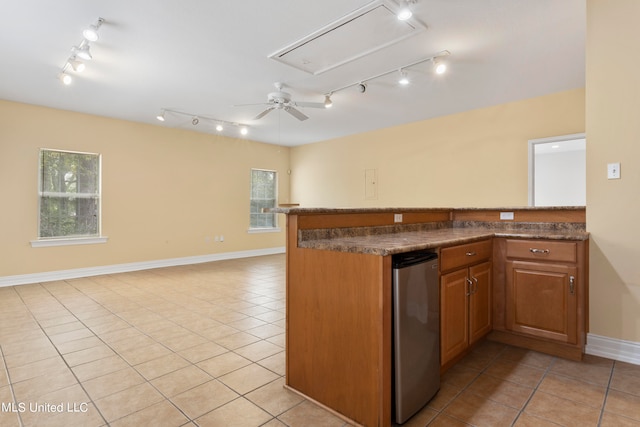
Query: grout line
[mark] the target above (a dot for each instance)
(58, 351)
(535, 389)
(606, 393)
(13, 393)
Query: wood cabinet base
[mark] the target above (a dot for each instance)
(543, 346)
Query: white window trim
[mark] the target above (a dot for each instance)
(68, 241)
(264, 230)
(42, 242)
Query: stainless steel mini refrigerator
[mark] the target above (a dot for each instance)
(416, 332)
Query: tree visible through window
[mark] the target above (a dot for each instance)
(69, 194)
(264, 193)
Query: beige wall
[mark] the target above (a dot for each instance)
(472, 159)
(613, 135)
(164, 190)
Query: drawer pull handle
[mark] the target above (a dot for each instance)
(538, 251)
(471, 254)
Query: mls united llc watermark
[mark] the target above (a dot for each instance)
(47, 407)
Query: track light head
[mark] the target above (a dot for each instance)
(328, 103)
(77, 65)
(66, 79)
(160, 116)
(405, 11)
(439, 66)
(244, 130)
(91, 32)
(83, 51)
(219, 128)
(403, 79)
(362, 87)
(195, 121)
(404, 14)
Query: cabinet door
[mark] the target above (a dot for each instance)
(454, 320)
(479, 301)
(542, 300)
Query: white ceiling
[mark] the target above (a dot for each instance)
(205, 56)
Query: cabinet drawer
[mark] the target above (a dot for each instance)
(542, 250)
(463, 255)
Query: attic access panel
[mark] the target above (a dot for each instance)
(360, 33)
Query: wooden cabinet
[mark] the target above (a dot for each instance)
(545, 294)
(542, 300)
(465, 297)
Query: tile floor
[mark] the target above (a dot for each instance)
(203, 345)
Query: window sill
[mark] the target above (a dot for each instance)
(264, 230)
(68, 241)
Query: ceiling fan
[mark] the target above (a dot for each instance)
(281, 100)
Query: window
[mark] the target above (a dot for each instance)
(264, 192)
(69, 194)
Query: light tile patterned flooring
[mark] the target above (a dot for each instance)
(203, 345)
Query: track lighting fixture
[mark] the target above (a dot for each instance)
(405, 11)
(91, 33)
(81, 52)
(439, 67)
(66, 79)
(77, 65)
(328, 103)
(195, 120)
(403, 79)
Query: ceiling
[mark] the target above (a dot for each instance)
(204, 57)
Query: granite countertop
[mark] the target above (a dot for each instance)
(406, 241)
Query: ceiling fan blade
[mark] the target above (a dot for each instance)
(264, 113)
(310, 104)
(295, 113)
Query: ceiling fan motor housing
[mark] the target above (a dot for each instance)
(279, 98)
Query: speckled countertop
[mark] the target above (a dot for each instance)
(394, 243)
(399, 238)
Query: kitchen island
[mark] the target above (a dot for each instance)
(339, 292)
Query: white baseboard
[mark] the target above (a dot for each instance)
(49, 276)
(611, 348)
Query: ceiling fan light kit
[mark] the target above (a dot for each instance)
(80, 53)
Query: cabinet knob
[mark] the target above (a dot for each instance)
(470, 254)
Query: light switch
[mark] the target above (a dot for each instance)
(613, 171)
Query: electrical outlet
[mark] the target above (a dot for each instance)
(397, 217)
(221, 238)
(613, 171)
(506, 216)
